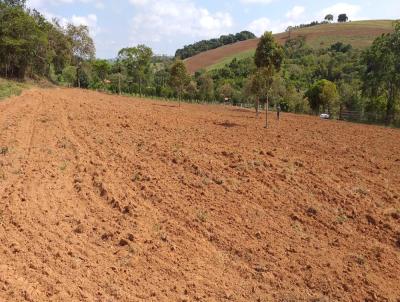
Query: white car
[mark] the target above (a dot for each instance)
(325, 116)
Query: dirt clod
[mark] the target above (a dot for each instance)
(123, 242)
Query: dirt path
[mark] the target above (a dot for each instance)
(106, 198)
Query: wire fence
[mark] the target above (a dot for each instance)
(369, 118)
(345, 115)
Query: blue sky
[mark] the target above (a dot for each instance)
(166, 25)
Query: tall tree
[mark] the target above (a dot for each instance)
(206, 87)
(82, 48)
(21, 40)
(343, 18)
(179, 78)
(259, 86)
(268, 59)
(329, 18)
(138, 63)
(82, 44)
(381, 76)
(323, 95)
(60, 45)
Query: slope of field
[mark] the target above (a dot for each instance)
(360, 34)
(107, 198)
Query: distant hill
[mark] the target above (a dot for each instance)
(360, 34)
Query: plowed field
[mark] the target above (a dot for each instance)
(108, 198)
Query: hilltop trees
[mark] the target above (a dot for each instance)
(193, 49)
(268, 59)
(343, 18)
(329, 18)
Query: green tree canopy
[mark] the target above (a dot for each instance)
(21, 40)
(269, 54)
(179, 78)
(323, 95)
(137, 61)
(206, 87)
(82, 44)
(329, 18)
(69, 75)
(226, 91)
(381, 75)
(268, 59)
(343, 18)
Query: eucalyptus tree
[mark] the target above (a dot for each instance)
(268, 59)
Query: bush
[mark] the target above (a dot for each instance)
(69, 75)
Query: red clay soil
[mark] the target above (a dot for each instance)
(108, 198)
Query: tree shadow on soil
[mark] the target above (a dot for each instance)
(227, 124)
(241, 110)
(162, 105)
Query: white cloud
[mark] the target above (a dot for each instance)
(44, 3)
(89, 20)
(259, 26)
(174, 19)
(256, 1)
(294, 16)
(139, 2)
(295, 13)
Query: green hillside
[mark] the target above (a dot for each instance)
(360, 34)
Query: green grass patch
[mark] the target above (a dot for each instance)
(242, 55)
(9, 88)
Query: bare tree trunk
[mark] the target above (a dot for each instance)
(119, 83)
(78, 77)
(389, 105)
(257, 106)
(266, 112)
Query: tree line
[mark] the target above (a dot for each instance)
(32, 46)
(198, 47)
